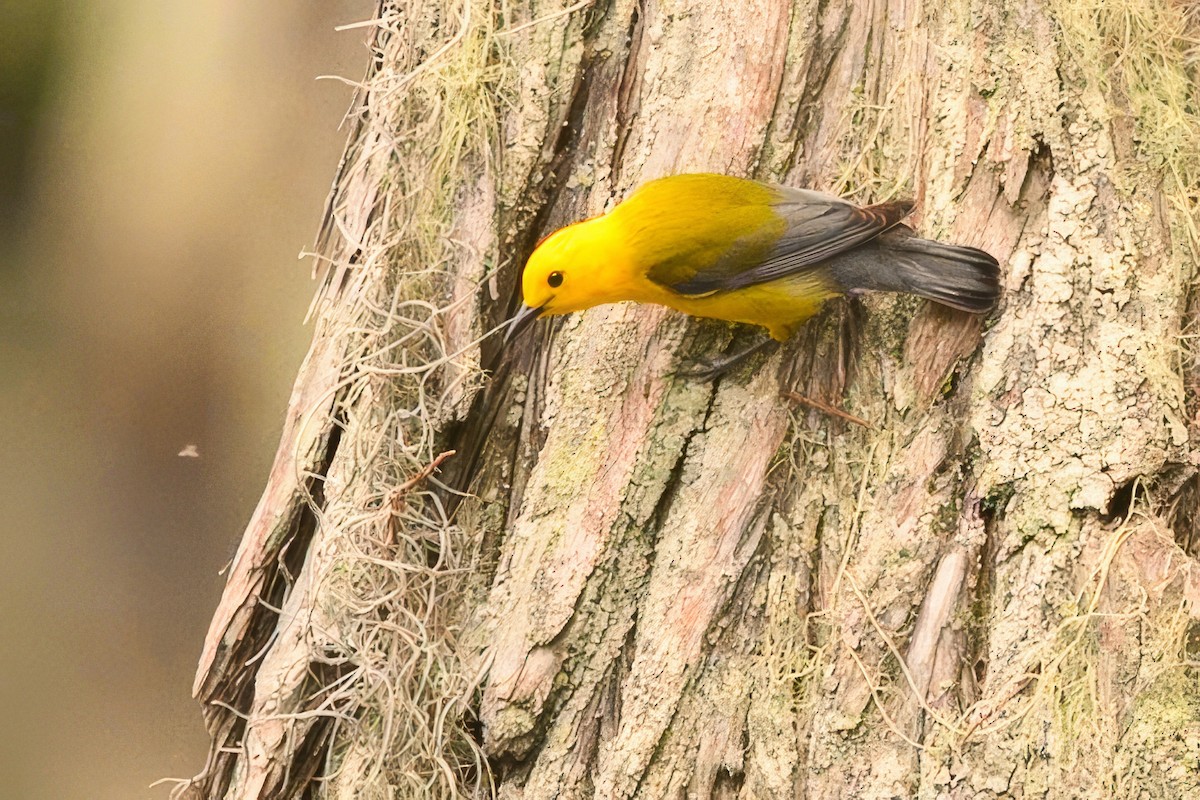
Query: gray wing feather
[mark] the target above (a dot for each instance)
(819, 227)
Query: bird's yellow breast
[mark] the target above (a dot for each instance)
(779, 306)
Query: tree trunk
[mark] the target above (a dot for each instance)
(628, 584)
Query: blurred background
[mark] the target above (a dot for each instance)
(161, 167)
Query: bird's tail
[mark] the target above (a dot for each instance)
(953, 275)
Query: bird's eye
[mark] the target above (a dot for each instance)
(555, 280)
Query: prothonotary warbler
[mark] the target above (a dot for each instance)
(746, 251)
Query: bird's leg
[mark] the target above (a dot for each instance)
(711, 369)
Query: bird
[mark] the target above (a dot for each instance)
(747, 251)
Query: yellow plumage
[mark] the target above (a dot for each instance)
(745, 251)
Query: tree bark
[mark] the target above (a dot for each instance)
(628, 584)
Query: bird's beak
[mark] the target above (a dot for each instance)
(520, 322)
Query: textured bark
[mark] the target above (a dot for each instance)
(656, 587)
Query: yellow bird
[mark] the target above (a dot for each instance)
(746, 251)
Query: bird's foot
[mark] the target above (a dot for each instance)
(709, 369)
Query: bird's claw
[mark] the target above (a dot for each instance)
(709, 369)
(704, 370)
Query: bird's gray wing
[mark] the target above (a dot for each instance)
(818, 227)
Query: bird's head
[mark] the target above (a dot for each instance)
(568, 271)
